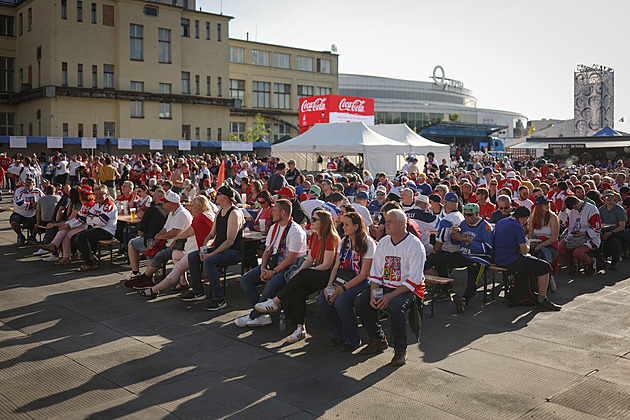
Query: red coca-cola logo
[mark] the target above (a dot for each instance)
(353, 106)
(318, 104)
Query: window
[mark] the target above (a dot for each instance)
(137, 109)
(6, 74)
(164, 45)
(207, 30)
(7, 124)
(95, 76)
(219, 131)
(29, 21)
(238, 129)
(323, 91)
(185, 132)
(260, 58)
(64, 74)
(305, 63)
(6, 25)
(237, 89)
(261, 93)
(219, 32)
(64, 127)
(137, 86)
(197, 84)
(108, 76)
(79, 11)
(186, 28)
(94, 130)
(135, 42)
(279, 131)
(237, 55)
(281, 61)
(282, 95)
(151, 11)
(219, 87)
(80, 75)
(197, 29)
(196, 133)
(185, 82)
(323, 66)
(208, 134)
(64, 9)
(93, 13)
(208, 90)
(165, 88)
(21, 22)
(109, 129)
(304, 91)
(80, 130)
(108, 15)
(165, 110)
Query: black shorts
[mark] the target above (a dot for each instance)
(531, 265)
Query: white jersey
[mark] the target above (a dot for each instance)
(527, 203)
(364, 213)
(61, 167)
(25, 201)
(103, 216)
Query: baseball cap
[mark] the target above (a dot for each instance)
(315, 190)
(243, 174)
(86, 189)
(487, 170)
(451, 198)
(435, 197)
(336, 196)
(170, 196)
(393, 197)
(381, 188)
(607, 193)
(286, 191)
(362, 194)
(522, 211)
(363, 187)
(423, 199)
(511, 174)
(541, 199)
(226, 191)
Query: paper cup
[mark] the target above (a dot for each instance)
(377, 293)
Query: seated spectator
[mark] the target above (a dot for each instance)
(435, 205)
(263, 219)
(523, 198)
(486, 208)
(504, 209)
(286, 247)
(46, 206)
(612, 237)
(583, 223)
(67, 208)
(312, 275)
(360, 204)
(298, 212)
(397, 271)
(24, 211)
(381, 198)
(143, 200)
(511, 251)
(427, 222)
(545, 226)
(188, 191)
(348, 278)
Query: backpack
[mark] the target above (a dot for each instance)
(520, 290)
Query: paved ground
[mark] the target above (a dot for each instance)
(82, 346)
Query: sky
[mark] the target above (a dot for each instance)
(514, 55)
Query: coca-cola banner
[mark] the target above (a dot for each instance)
(335, 109)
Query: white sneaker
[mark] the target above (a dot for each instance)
(261, 321)
(266, 306)
(51, 258)
(130, 275)
(552, 284)
(40, 252)
(242, 321)
(298, 334)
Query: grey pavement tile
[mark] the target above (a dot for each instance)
(597, 397)
(617, 372)
(8, 333)
(18, 298)
(551, 411)
(503, 371)
(301, 415)
(38, 318)
(23, 356)
(77, 338)
(553, 355)
(128, 408)
(8, 410)
(378, 404)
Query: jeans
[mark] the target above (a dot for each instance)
(397, 310)
(612, 247)
(210, 267)
(162, 257)
(87, 242)
(252, 279)
(340, 317)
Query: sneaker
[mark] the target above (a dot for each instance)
(132, 275)
(143, 284)
(242, 321)
(193, 296)
(40, 252)
(51, 258)
(298, 334)
(261, 321)
(460, 303)
(21, 240)
(266, 306)
(552, 284)
(442, 296)
(215, 305)
(548, 305)
(131, 282)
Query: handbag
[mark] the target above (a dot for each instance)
(272, 261)
(156, 247)
(575, 242)
(180, 244)
(343, 277)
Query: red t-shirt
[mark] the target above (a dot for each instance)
(510, 183)
(132, 198)
(314, 244)
(202, 225)
(486, 210)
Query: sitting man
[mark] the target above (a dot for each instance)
(511, 251)
(298, 211)
(397, 272)
(504, 209)
(227, 250)
(381, 198)
(583, 223)
(286, 240)
(612, 237)
(24, 210)
(101, 223)
(178, 220)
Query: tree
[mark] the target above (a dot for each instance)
(257, 132)
(454, 117)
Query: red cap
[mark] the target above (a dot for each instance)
(286, 191)
(86, 189)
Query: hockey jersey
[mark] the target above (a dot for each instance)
(586, 220)
(480, 250)
(104, 216)
(25, 201)
(445, 226)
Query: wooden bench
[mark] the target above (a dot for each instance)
(108, 244)
(431, 281)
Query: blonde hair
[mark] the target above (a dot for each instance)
(201, 202)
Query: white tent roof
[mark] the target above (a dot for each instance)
(417, 143)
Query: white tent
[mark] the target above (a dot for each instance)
(380, 153)
(418, 145)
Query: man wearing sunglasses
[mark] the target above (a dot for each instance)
(504, 209)
(381, 197)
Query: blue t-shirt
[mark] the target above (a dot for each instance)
(508, 234)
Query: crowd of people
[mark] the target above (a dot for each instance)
(364, 242)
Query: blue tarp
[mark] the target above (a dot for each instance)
(606, 131)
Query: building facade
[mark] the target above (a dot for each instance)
(269, 79)
(105, 68)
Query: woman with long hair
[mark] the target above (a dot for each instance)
(313, 274)
(265, 200)
(348, 278)
(255, 190)
(545, 226)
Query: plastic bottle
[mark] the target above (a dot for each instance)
(282, 325)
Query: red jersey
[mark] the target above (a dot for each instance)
(486, 210)
(511, 183)
(5, 162)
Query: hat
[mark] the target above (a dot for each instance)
(451, 198)
(541, 199)
(315, 190)
(286, 191)
(522, 211)
(421, 175)
(607, 193)
(337, 196)
(412, 186)
(381, 188)
(393, 197)
(363, 187)
(187, 182)
(423, 199)
(487, 170)
(170, 197)
(511, 174)
(226, 191)
(326, 180)
(368, 178)
(243, 174)
(362, 195)
(86, 189)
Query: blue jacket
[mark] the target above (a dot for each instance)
(480, 250)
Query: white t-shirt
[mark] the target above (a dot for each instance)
(527, 203)
(295, 239)
(310, 205)
(364, 213)
(181, 219)
(62, 167)
(73, 165)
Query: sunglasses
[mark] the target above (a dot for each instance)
(380, 193)
(468, 214)
(314, 219)
(494, 184)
